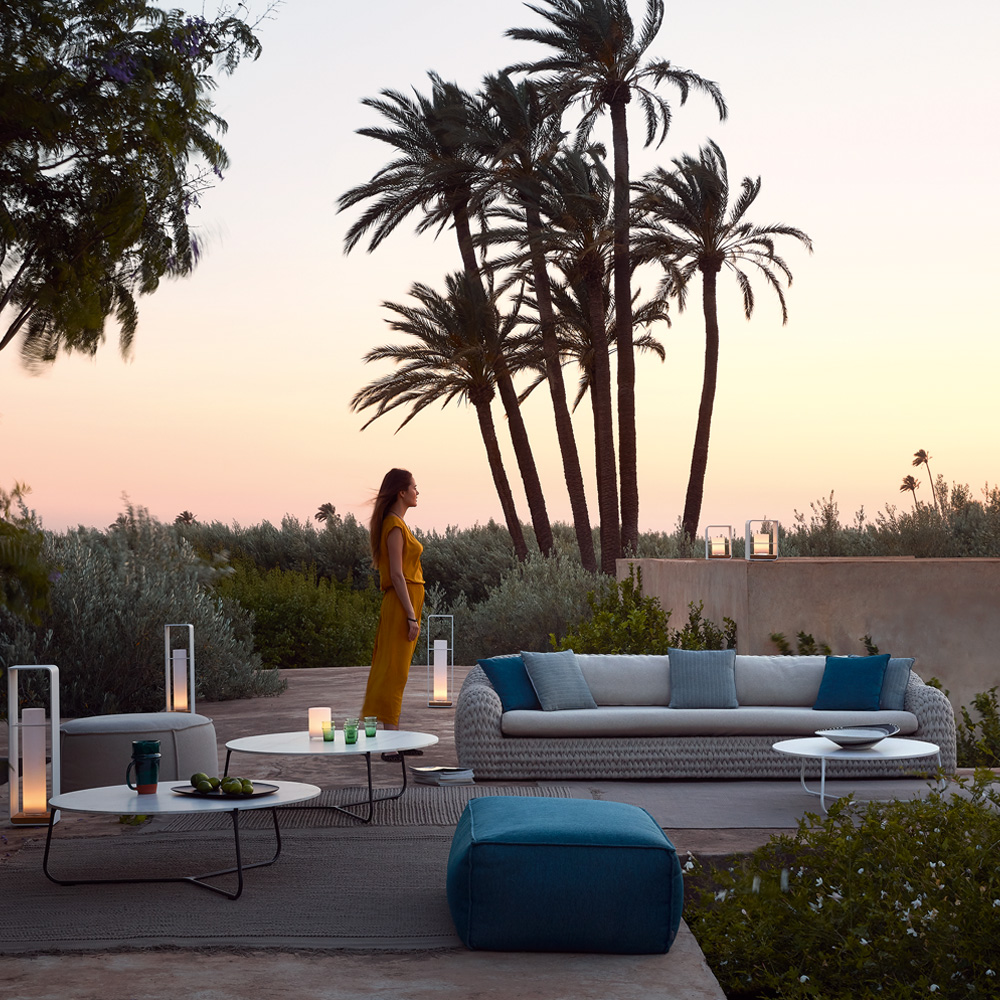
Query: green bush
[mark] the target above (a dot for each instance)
(623, 620)
(112, 595)
(898, 899)
(301, 620)
(979, 740)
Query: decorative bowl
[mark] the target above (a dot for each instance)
(858, 737)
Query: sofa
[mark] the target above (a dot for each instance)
(635, 727)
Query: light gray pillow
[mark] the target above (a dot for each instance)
(897, 676)
(558, 680)
(703, 678)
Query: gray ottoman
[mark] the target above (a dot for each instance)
(97, 750)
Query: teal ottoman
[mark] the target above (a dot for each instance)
(529, 874)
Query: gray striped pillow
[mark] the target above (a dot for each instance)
(703, 678)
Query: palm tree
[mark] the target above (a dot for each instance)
(434, 172)
(448, 359)
(518, 135)
(691, 228)
(922, 458)
(598, 62)
(909, 483)
(327, 513)
(184, 517)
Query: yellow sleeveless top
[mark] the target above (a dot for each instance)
(412, 569)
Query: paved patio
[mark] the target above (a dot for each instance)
(736, 826)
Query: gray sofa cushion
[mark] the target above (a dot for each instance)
(703, 678)
(897, 676)
(619, 721)
(558, 680)
(778, 680)
(627, 679)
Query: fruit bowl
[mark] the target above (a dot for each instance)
(259, 788)
(858, 737)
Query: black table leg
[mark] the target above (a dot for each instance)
(195, 879)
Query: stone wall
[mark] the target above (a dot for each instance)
(943, 612)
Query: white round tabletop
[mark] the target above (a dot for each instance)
(887, 749)
(386, 741)
(125, 801)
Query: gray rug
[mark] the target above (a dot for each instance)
(420, 805)
(369, 887)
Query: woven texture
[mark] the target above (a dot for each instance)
(482, 746)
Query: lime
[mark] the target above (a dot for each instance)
(247, 786)
(204, 786)
(198, 776)
(214, 782)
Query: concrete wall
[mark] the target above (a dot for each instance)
(944, 612)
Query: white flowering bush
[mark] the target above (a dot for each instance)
(898, 899)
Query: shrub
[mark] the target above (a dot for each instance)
(979, 740)
(300, 620)
(623, 620)
(898, 899)
(113, 594)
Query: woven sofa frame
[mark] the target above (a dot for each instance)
(481, 745)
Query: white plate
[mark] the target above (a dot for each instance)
(858, 737)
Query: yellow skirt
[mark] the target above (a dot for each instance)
(391, 656)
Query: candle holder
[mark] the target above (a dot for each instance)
(317, 716)
(761, 540)
(440, 669)
(719, 541)
(29, 796)
(178, 669)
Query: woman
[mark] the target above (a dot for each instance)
(396, 555)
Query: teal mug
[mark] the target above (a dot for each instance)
(146, 765)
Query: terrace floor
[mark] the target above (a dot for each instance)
(736, 817)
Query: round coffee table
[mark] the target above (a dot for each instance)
(120, 800)
(300, 744)
(821, 749)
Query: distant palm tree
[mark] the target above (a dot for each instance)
(326, 514)
(922, 458)
(689, 226)
(434, 172)
(909, 483)
(184, 517)
(598, 61)
(448, 359)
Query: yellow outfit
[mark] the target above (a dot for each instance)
(393, 650)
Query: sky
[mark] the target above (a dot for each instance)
(873, 126)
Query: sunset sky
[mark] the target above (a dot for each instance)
(874, 128)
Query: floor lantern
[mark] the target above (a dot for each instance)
(29, 789)
(719, 541)
(761, 540)
(440, 665)
(178, 669)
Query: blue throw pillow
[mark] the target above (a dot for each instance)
(510, 679)
(897, 676)
(702, 678)
(558, 680)
(852, 683)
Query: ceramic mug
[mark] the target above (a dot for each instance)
(146, 765)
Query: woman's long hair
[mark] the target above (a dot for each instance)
(395, 481)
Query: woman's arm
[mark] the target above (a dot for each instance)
(394, 545)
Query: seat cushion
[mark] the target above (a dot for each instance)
(574, 875)
(95, 751)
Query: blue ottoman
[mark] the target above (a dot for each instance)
(528, 874)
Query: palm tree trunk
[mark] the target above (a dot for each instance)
(557, 389)
(930, 478)
(604, 435)
(623, 329)
(699, 459)
(508, 396)
(488, 430)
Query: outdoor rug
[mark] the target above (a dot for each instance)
(420, 805)
(364, 888)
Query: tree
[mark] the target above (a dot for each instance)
(922, 458)
(691, 228)
(518, 135)
(448, 359)
(598, 62)
(107, 140)
(185, 517)
(327, 514)
(25, 576)
(434, 172)
(909, 483)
